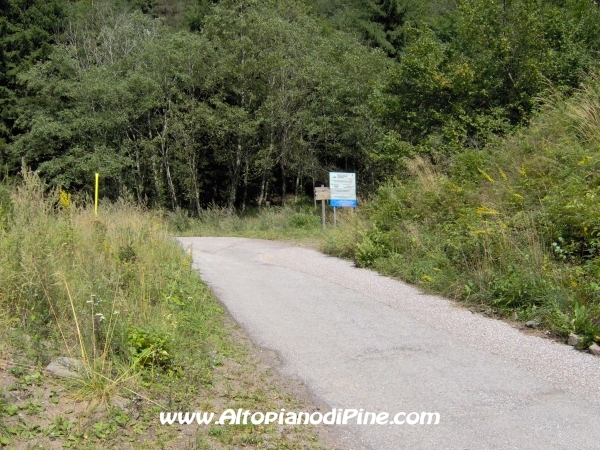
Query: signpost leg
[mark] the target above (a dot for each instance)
(334, 218)
(323, 212)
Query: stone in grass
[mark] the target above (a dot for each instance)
(573, 340)
(532, 324)
(65, 367)
(594, 349)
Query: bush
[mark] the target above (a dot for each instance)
(303, 220)
(6, 207)
(179, 220)
(149, 348)
(515, 227)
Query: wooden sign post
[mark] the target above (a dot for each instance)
(322, 193)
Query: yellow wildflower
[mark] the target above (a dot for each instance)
(484, 210)
(503, 174)
(487, 177)
(584, 161)
(65, 199)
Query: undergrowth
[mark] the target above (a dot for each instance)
(298, 221)
(117, 294)
(514, 228)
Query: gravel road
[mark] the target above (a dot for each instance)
(360, 340)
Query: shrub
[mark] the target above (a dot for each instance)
(303, 220)
(515, 227)
(149, 347)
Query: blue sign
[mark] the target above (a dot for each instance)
(343, 203)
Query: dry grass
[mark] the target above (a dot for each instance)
(119, 294)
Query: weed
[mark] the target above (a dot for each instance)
(150, 347)
(292, 223)
(179, 220)
(513, 228)
(119, 295)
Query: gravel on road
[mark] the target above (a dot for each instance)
(361, 340)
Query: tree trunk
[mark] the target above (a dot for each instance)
(170, 184)
(164, 148)
(246, 168)
(314, 198)
(296, 189)
(282, 182)
(235, 175)
(139, 177)
(157, 181)
(195, 184)
(235, 172)
(267, 202)
(261, 196)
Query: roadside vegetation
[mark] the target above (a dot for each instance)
(513, 228)
(298, 221)
(117, 294)
(240, 103)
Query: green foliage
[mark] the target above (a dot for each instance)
(149, 347)
(513, 227)
(459, 84)
(304, 220)
(115, 289)
(27, 30)
(68, 287)
(6, 207)
(584, 322)
(371, 248)
(4, 408)
(382, 23)
(298, 222)
(182, 119)
(253, 100)
(179, 220)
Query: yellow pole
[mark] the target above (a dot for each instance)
(96, 197)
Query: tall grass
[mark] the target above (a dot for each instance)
(114, 291)
(300, 222)
(514, 228)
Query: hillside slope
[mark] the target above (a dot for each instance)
(514, 228)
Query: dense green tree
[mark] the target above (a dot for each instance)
(481, 75)
(382, 23)
(27, 31)
(258, 101)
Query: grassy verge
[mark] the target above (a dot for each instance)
(117, 294)
(514, 229)
(298, 222)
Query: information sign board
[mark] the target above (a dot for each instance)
(322, 193)
(343, 189)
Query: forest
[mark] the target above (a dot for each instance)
(245, 103)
